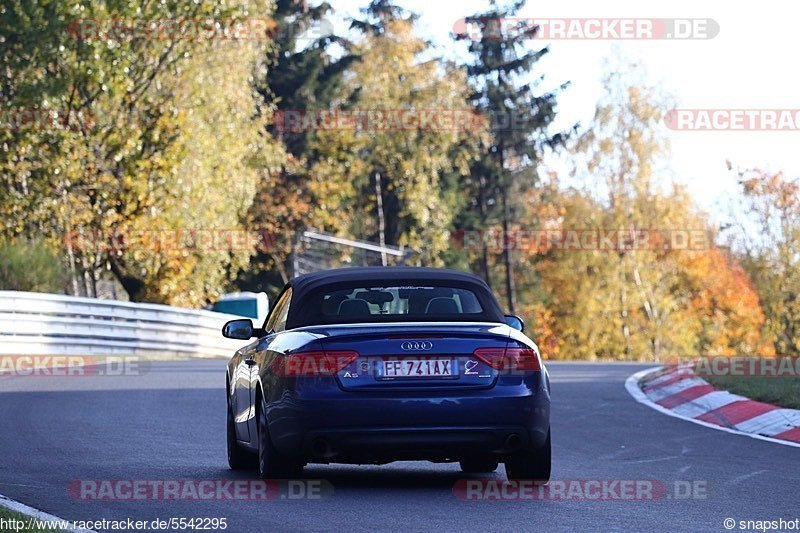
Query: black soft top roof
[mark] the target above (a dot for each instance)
(378, 273)
(304, 308)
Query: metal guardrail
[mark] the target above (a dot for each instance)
(34, 323)
(313, 251)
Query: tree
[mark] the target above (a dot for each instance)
(30, 266)
(622, 148)
(639, 302)
(383, 181)
(726, 304)
(224, 152)
(701, 301)
(769, 242)
(128, 155)
(520, 118)
(301, 74)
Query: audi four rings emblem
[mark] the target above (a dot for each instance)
(416, 346)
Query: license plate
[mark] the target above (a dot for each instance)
(418, 368)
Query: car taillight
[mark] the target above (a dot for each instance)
(510, 358)
(317, 363)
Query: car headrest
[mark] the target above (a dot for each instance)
(330, 305)
(442, 306)
(354, 307)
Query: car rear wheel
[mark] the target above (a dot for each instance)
(271, 463)
(531, 464)
(238, 459)
(479, 465)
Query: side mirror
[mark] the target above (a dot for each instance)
(515, 322)
(238, 329)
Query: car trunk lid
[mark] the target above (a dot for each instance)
(414, 356)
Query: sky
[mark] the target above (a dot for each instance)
(750, 64)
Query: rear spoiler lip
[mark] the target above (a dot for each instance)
(361, 325)
(323, 332)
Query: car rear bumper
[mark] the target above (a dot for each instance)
(379, 428)
(380, 445)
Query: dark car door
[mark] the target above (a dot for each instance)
(242, 407)
(276, 323)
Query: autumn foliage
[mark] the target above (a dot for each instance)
(187, 134)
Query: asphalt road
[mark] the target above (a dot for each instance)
(169, 423)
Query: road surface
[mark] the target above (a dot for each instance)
(168, 423)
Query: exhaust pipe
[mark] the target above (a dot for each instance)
(513, 442)
(320, 448)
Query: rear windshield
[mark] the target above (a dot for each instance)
(399, 301)
(382, 300)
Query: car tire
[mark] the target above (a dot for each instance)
(238, 459)
(479, 465)
(271, 463)
(535, 465)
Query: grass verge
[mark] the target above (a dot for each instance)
(7, 515)
(782, 391)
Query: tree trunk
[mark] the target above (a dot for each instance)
(623, 300)
(133, 286)
(381, 219)
(73, 272)
(507, 259)
(482, 212)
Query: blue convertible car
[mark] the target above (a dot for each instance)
(373, 365)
